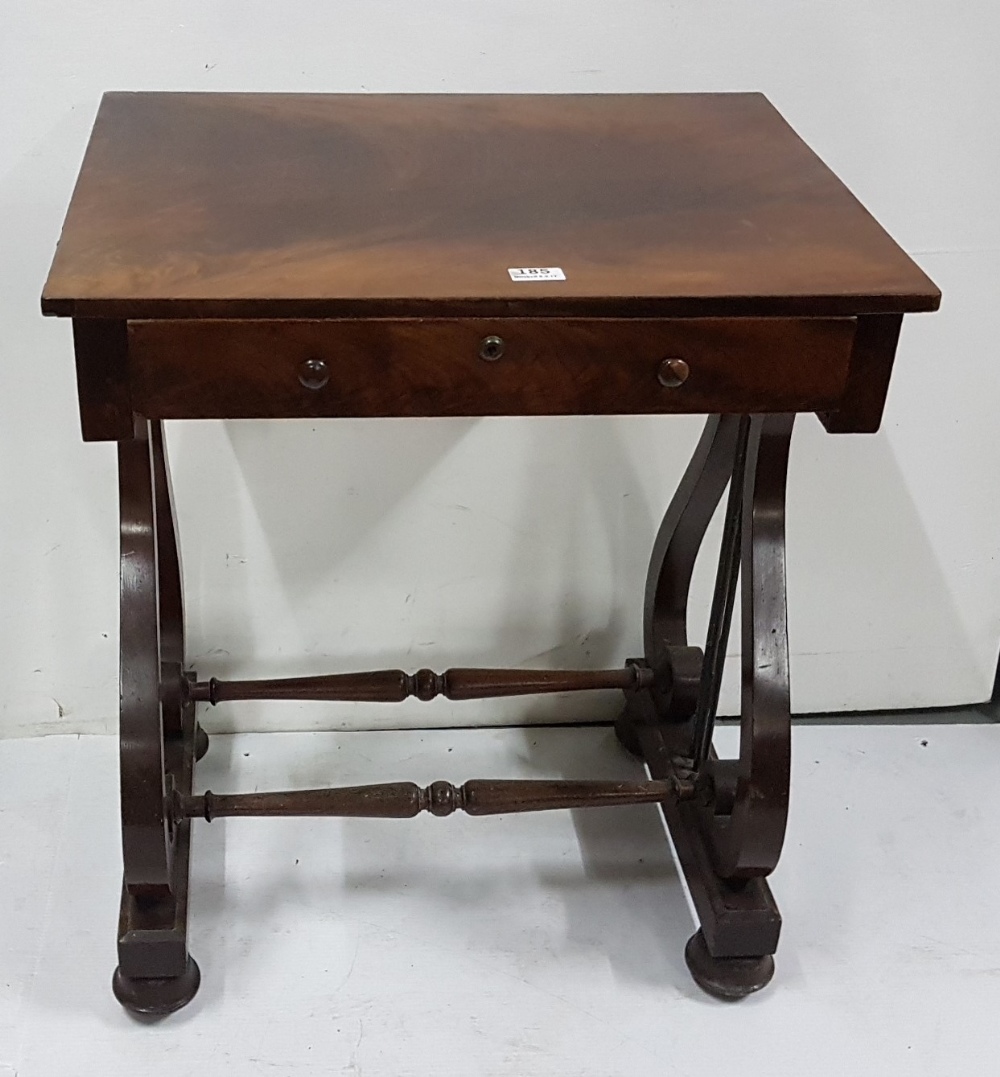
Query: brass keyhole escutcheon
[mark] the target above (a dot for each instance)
(313, 373)
(491, 348)
(672, 373)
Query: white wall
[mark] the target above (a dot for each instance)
(344, 545)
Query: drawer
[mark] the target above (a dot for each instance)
(498, 366)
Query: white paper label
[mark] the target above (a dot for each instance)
(537, 273)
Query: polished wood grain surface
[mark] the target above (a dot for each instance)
(404, 800)
(260, 255)
(425, 367)
(314, 206)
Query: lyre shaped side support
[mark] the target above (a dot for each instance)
(749, 842)
(671, 566)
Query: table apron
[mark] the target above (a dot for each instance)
(449, 367)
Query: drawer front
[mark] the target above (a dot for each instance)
(499, 366)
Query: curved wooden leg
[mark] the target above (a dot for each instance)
(730, 838)
(145, 834)
(668, 582)
(155, 974)
(171, 591)
(748, 844)
(680, 536)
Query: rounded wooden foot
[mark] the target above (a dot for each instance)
(726, 978)
(156, 998)
(200, 742)
(625, 732)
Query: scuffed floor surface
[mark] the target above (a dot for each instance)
(546, 944)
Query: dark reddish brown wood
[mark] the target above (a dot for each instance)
(306, 255)
(493, 797)
(749, 842)
(678, 666)
(301, 205)
(739, 917)
(403, 800)
(723, 601)
(680, 536)
(155, 973)
(394, 685)
(746, 839)
(549, 366)
(102, 379)
(731, 838)
(863, 402)
(491, 683)
(146, 840)
(730, 979)
(170, 590)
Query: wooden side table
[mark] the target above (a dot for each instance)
(264, 256)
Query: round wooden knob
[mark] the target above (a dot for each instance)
(491, 348)
(313, 373)
(672, 372)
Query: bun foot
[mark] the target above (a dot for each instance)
(200, 742)
(156, 997)
(726, 978)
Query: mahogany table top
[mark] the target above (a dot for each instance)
(206, 205)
